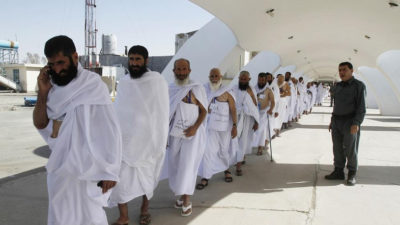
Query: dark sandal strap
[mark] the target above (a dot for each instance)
(145, 219)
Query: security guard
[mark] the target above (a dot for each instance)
(347, 116)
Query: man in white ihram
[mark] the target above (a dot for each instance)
(142, 107)
(222, 143)
(266, 105)
(75, 116)
(248, 117)
(187, 136)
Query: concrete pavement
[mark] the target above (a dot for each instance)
(290, 190)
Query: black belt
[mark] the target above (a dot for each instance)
(343, 117)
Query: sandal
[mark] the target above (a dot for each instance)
(145, 219)
(178, 204)
(239, 172)
(201, 186)
(228, 179)
(186, 210)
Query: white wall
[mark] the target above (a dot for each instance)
(31, 79)
(387, 100)
(232, 63)
(264, 61)
(206, 49)
(389, 63)
(371, 97)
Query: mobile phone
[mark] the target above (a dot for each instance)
(50, 72)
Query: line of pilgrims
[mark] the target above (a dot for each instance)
(211, 127)
(154, 131)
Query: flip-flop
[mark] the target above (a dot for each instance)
(178, 204)
(239, 173)
(228, 179)
(201, 186)
(185, 210)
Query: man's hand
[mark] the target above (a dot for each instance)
(234, 132)
(276, 114)
(255, 126)
(107, 185)
(269, 112)
(330, 127)
(43, 81)
(354, 129)
(190, 131)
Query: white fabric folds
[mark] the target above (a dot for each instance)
(184, 155)
(86, 151)
(142, 107)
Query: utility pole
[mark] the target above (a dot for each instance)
(90, 32)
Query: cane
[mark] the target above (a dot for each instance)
(269, 134)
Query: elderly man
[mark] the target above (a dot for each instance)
(248, 117)
(291, 101)
(284, 91)
(347, 116)
(142, 106)
(187, 136)
(266, 105)
(75, 116)
(222, 143)
(302, 90)
(272, 84)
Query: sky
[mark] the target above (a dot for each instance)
(151, 23)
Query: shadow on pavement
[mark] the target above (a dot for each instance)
(43, 151)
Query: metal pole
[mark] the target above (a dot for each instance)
(269, 134)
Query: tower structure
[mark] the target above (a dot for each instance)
(90, 32)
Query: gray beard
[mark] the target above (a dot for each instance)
(215, 86)
(182, 82)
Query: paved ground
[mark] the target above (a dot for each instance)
(21, 145)
(290, 190)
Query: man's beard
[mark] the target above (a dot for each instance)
(243, 86)
(287, 79)
(68, 74)
(215, 86)
(269, 82)
(182, 82)
(137, 73)
(261, 86)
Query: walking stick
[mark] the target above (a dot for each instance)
(269, 134)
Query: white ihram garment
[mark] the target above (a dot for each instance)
(262, 133)
(86, 151)
(184, 155)
(142, 106)
(221, 149)
(247, 115)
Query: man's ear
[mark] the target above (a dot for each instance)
(75, 57)
(147, 61)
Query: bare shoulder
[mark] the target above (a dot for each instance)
(224, 97)
(190, 98)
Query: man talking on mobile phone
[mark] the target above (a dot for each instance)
(75, 116)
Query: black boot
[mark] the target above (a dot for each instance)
(337, 174)
(351, 178)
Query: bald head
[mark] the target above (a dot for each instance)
(244, 78)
